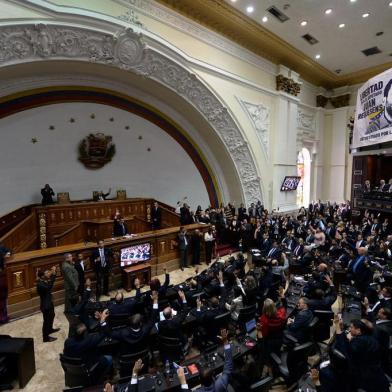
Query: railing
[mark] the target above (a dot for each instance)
(23, 237)
(10, 220)
(73, 235)
(169, 218)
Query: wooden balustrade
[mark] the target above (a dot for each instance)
(10, 220)
(24, 236)
(169, 218)
(22, 268)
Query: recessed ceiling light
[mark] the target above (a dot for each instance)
(342, 25)
(304, 23)
(390, 3)
(365, 15)
(352, 1)
(328, 11)
(250, 9)
(233, 1)
(265, 19)
(317, 56)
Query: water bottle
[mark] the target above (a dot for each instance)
(167, 367)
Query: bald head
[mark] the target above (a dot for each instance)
(362, 251)
(323, 267)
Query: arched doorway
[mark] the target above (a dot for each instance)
(303, 169)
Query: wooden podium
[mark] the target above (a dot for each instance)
(140, 271)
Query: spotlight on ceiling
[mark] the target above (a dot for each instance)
(342, 26)
(265, 19)
(250, 9)
(353, 1)
(304, 23)
(317, 56)
(390, 3)
(328, 11)
(365, 15)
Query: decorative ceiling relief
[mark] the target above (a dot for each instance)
(306, 127)
(125, 50)
(259, 116)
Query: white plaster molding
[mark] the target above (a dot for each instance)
(125, 49)
(163, 14)
(259, 116)
(68, 14)
(306, 120)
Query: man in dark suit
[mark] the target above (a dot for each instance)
(80, 266)
(135, 337)
(156, 216)
(183, 248)
(322, 300)
(125, 306)
(44, 289)
(298, 327)
(299, 249)
(265, 245)
(85, 346)
(218, 384)
(363, 354)
(101, 257)
(100, 196)
(170, 326)
(185, 215)
(71, 283)
(383, 333)
(274, 252)
(242, 212)
(47, 195)
(120, 229)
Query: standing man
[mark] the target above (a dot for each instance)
(80, 267)
(156, 216)
(183, 247)
(71, 283)
(120, 229)
(47, 195)
(101, 257)
(44, 289)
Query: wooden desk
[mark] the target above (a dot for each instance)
(20, 354)
(140, 271)
(22, 268)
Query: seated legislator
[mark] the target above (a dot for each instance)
(135, 337)
(298, 326)
(120, 228)
(84, 345)
(322, 300)
(125, 306)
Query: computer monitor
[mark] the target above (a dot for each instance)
(135, 254)
(250, 326)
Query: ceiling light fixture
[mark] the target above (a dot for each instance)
(328, 11)
(352, 1)
(233, 1)
(250, 9)
(265, 19)
(365, 15)
(342, 25)
(390, 3)
(304, 23)
(317, 56)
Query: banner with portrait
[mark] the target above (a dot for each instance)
(373, 115)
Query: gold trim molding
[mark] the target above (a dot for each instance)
(221, 17)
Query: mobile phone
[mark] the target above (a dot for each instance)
(175, 365)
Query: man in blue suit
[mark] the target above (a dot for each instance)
(359, 271)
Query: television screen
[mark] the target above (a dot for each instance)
(290, 183)
(135, 254)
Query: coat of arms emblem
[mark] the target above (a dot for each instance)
(96, 150)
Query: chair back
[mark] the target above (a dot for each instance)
(76, 372)
(246, 314)
(117, 321)
(127, 361)
(322, 330)
(170, 348)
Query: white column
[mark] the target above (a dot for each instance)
(285, 151)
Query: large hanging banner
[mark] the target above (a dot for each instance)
(373, 116)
